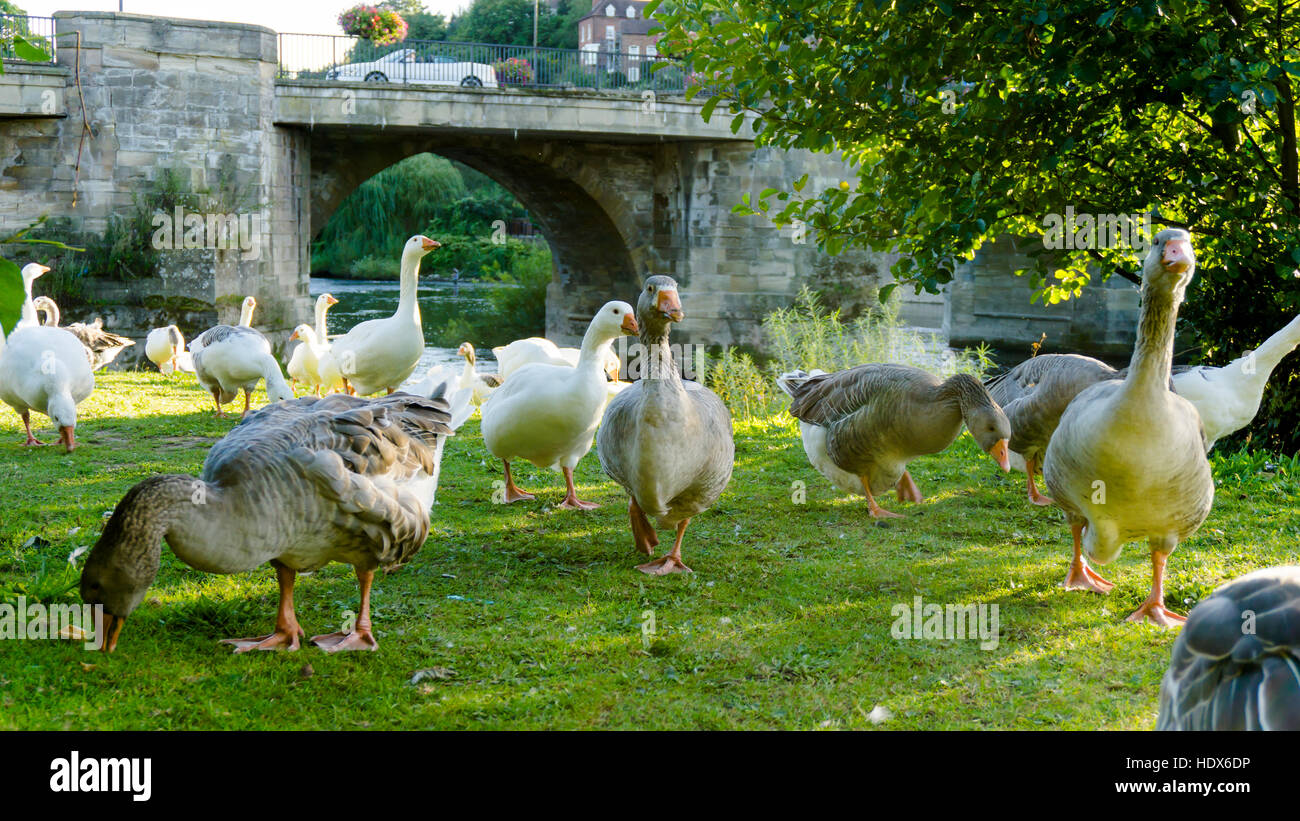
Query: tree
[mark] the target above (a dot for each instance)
(504, 22)
(966, 121)
(425, 26)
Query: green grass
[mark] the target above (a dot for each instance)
(534, 616)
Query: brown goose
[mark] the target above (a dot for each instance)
(297, 485)
(878, 418)
(1236, 663)
(1033, 395)
(667, 442)
(101, 346)
(1127, 460)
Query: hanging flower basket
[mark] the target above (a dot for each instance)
(516, 71)
(379, 26)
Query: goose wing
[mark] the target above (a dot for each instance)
(828, 398)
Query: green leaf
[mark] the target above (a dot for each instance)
(11, 295)
(886, 291)
(27, 51)
(709, 105)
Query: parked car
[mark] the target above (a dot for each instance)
(406, 66)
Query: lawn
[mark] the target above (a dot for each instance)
(531, 617)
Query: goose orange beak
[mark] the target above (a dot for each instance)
(630, 327)
(293, 336)
(109, 629)
(330, 300)
(670, 305)
(68, 438)
(1177, 256)
(430, 244)
(1000, 454)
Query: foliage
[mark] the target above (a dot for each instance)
(515, 311)
(380, 26)
(806, 336)
(967, 122)
(514, 71)
(504, 22)
(12, 293)
(18, 41)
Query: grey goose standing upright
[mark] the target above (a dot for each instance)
(667, 442)
(879, 417)
(1127, 460)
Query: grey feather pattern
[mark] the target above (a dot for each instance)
(1036, 392)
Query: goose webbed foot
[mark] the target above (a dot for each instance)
(513, 493)
(672, 562)
(877, 512)
(355, 639)
(571, 500)
(279, 640)
(1034, 496)
(1153, 609)
(32, 441)
(906, 489)
(1156, 613)
(1083, 577)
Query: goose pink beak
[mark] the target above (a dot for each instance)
(1000, 454)
(671, 305)
(630, 326)
(1177, 256)
(68, 438)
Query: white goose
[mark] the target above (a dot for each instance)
(514, 356)
(234, 358)
(165, 347)
(1228, 398)
(482, 384)
(1127, 459)
(382, 353)
(31, 271)
(304, 364)
(45, 369)
(246, 309)
(548, 413)
(295, 485)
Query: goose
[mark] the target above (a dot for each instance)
(1224, 677)
(1127, 460)
(548, 413)
(482, 384)
(45, 369)
(514, 356)
(232, 358)
(165, 347)
(30, 272)
(1033, 395)
(381, 353)
(296, 485)
(246, 309)
(101, 346)
(304, 364)
(876, 418)
(666, 441)
(1228, 398)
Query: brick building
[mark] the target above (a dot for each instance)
(616, 35)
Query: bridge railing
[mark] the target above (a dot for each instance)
(39, 31)
(477, 65)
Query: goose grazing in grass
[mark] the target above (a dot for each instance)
(380, 354)
(1127, 460)
(1228, 398)
(1225, 677)
(875, 419)
(101, 346)
(165, 347)
(1033, 395)
(30, 273)
(667, 442)
(548, 413)
(232, 358)
(46, 370)
(304, 364)
(482, 384)
(296, 485)
(246, 309)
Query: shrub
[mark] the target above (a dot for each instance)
(379, 26)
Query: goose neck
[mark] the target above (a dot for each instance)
(408, 305)
(1153, 354)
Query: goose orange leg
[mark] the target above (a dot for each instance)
(513, 493)
(571, 500)
(877, 512)
(216, 398)
(1034, 496)
(287, 630)
(906, 489)
(1153, 609)
(248, 401)
(360, 638)
(27, 425)
(644, 537)
(672, 562)
(1081, 576)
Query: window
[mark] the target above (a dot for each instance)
(631, 12)
(610, 33)
(651, 51)
(609, 11)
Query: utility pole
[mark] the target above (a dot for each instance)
(535, 2)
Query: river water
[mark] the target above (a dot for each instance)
(362, 299)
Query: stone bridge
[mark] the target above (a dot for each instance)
(620, 186)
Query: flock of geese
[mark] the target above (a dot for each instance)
(339, 477)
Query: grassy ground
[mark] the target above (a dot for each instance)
(532, 618)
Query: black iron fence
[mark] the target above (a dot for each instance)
(476, 65)
(39, 31)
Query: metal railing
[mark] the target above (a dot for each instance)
(39, 31)
(475, 65)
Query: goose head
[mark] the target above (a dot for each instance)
(659, 304)
(417, 246)
(325, 300)
(304, 332)
(31, 271)
(62, 411)
(1171, 261)
(246, 311)
(984, 419)
(125, 560)
(50, 309)
(466, 350)
(614, 319)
